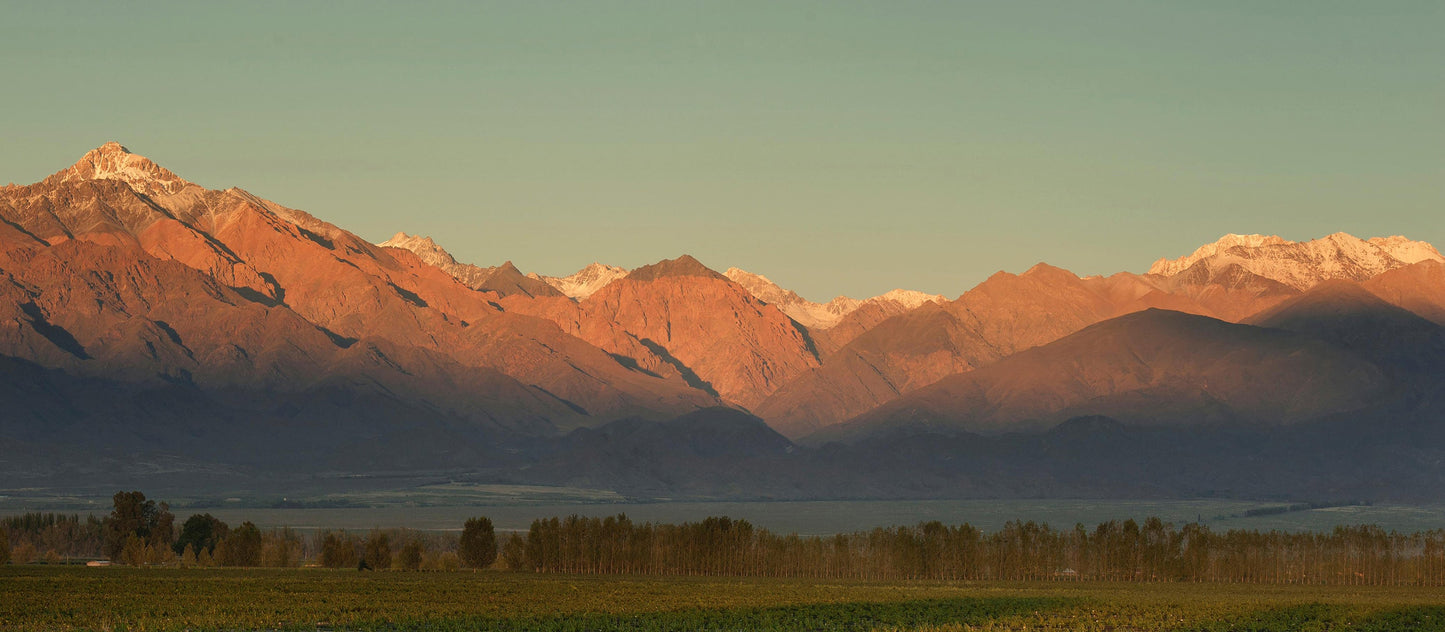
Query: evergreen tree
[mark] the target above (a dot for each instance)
(201, 532)
(478, 546)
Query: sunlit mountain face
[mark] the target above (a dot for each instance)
(149, 323)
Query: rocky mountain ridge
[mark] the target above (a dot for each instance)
(820, 316)
(140, 311)
(1301, 265)
(299, 297)
(585, 282)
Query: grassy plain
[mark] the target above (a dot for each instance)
(71, 598)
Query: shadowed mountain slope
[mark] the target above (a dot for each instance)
(1419, 288)
(1154, 367)
(711, 451)
(1348, 315)
(1001, 316)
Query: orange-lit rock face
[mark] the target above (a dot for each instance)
(504, 280)
(696, 318)
(679, 318)
(259, 293)
(1418, 287)
(116, 267)
(113, 162)
(1004, 315)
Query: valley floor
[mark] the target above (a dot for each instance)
(78, 598)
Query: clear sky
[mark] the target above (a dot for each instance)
(837, 147)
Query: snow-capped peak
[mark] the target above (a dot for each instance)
(1171, 267)
(763, 288)
(819, 315)
(1406, 250)
(425, 249)
(583, 283)
(1303, 264)
(111, 161)
(909, 298)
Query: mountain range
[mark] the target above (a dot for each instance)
(149, 325)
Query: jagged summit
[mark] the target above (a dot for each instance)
(110, 148)
(909, 298)
(1300, 265)
(504, 279)
(768, 291)
(402, 240)
(684, 265)
(585, 282)
(112, 161)
(1407, 250)
(821, 315)
(426, 249)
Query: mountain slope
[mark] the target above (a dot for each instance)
(151, 325)
(905, 353)
(504, 280)
(736, 345)
(714, 451)
(1348, 315)
(1154, 367)
(1419, 287)
(78, 245)
(1001, 316)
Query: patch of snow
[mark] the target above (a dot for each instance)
(1303, 264)
(111, 161)
(819, 315)
(426, 249)
(585, 282)
(912, 299)
(1406, 250)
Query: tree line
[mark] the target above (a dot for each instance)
(142, 532)
(139, 531)
(1154, 551)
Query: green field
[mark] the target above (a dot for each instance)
(66, 598)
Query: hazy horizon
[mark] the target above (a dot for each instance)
(835, 148)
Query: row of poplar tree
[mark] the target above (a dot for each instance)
(1112, 551)
(142, 532)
